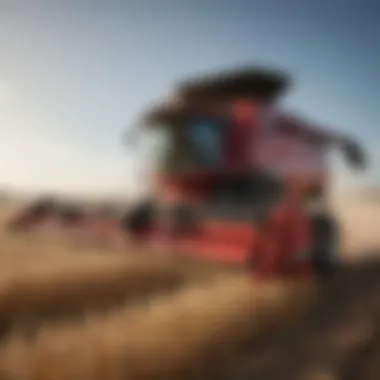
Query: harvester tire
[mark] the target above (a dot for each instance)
(139, 218)
(326, 248)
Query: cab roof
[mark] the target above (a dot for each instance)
(245, 82)
(251, 82)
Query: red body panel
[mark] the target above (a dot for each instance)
(230, 233)
(203, 249)
(218, 241)
(271, 250)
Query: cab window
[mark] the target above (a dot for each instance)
(206, 138)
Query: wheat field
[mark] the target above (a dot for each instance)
(70, 313)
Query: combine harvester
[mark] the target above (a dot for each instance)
(240, 181)
(240, 184)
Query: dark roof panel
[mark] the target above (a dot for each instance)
(246, 82)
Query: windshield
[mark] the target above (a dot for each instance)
(197, 145)
(206, 138)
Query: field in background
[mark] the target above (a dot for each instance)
(67, 313)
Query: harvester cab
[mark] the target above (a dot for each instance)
(237, 177)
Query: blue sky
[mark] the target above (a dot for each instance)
(74, 74)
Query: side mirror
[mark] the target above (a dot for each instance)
(355, 155)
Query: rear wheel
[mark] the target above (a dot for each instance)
(326, 246)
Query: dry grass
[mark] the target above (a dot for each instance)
(185, 333)
(45, 283)
(33, 297)
(38, 287)
(192, 333)
(188, 335)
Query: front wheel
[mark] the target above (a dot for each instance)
(139, 221)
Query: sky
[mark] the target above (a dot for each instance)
(74, 74)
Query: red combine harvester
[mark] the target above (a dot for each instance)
(240, 181)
